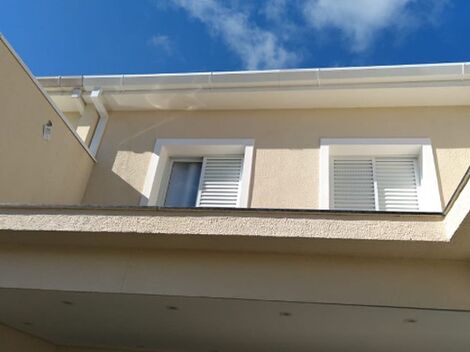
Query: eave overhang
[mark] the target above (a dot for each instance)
(377, 86)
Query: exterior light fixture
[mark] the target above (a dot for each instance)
(47, 130)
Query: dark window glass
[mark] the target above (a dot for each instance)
(183, 184)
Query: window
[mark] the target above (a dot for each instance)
(213, 181)
(220, 181)
(199, 173)
(378, 174)
(183, 183)
(375, 183)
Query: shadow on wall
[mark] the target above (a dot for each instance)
(284, 140)
(121, 189)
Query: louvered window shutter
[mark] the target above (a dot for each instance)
(389, 183)
(220, 181)
(353, 184)
(397, 184)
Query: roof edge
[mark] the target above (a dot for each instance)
(317, 77)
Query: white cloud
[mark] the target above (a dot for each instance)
(257, 48)
(163, 42)
(275, 10)
(361, 20)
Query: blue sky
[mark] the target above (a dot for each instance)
(66, 37)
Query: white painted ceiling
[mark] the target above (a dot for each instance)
(279, 98)
(145, 322)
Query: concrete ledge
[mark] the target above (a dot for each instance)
(228, 222)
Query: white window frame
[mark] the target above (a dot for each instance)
(156, 180)
(421, 148)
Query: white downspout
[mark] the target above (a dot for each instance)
(102, 121)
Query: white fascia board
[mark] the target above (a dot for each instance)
(245, 79)
(50, 82)
(168, 81)
(102, 82)
(71, 81)
(385, 74)
(300, 77)
(466, 71)
(274, 78)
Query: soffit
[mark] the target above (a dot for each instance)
(376, 86)
(146, 322)
(279, 98)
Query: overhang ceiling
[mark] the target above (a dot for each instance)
(277, 98)
(155, 323)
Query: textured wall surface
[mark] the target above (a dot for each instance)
(230, 224)
(34, 170)
(440, 284)
(286, 160)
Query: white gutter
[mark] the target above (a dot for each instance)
(319, 77)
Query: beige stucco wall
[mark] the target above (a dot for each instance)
(84, 124)
(87, 123)
(34, 170)
(286, 166)
(12, 340)
(72, 118)
(441, 284)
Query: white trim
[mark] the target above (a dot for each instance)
(201, 181)
(246, 176)
(429, 186)
(375, 141)
(376, 187)
(428, 189)
(165, 149)
(324, 191)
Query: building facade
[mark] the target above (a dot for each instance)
(287, 210)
